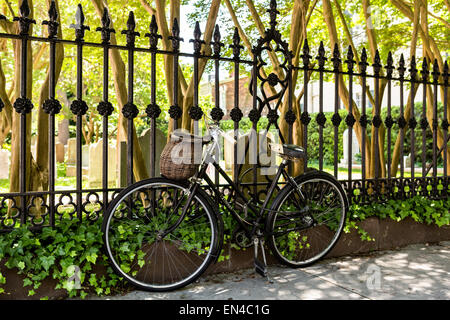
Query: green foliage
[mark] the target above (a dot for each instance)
(57, 253)
(419, 208)
(245, 124)
(328, 138)
(328, 135)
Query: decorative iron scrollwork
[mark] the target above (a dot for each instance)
(153, 111)
(105, 108)
(236, 114)
(52, 106)
(175, 112)
(79, 107)
(130, 111)
(196, 113)
(272, 42)
(23, 105)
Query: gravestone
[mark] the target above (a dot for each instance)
(72, 151)
(144, 143)
(228, 150)
(4, 164)
(355, 148)
(85, 156)
(95, 171)
(258, 144)
(267, 158)
(407, 161)
(71, 157)
(60, 152)
(63, 131)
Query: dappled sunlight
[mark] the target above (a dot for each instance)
(414, 272)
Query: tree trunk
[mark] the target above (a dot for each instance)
(32, 179)
(42, 146)
(343, 92)
(118, 69)
(189, 95)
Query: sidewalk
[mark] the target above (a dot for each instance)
(413, 272)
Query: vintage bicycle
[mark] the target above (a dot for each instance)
(174, 229)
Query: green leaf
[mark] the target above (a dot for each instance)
(83, 294)
(92, 257)
(27, 282)
(47, 262)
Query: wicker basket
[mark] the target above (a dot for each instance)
(177, 161)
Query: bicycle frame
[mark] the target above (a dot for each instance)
(250, 227)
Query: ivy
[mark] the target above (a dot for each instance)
(58, 253)
(75, 248)
(419, 208)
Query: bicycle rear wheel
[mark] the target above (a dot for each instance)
(141, 248)
(303, 229)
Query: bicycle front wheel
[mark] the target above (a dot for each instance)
(306, 222)
(147, 242)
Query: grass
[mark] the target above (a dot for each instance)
(64, 183)
(4, 185)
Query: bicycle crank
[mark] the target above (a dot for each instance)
(240, 238)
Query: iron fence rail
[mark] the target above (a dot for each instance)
(89, 203)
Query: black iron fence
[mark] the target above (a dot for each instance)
(376, 183)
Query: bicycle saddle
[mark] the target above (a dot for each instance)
(191, 138)
(289, 150)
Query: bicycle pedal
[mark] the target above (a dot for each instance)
(260, 268)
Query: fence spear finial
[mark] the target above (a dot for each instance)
(130, 33)
(363, 63)
(197, 39)
(24, 21)
(273, 12)
(175, 37)
(24, 9)
(52, 23)
(79, 26)
(105, 28)
(236, 46)
(131, 23)
(321, 56)
(390, 65)
(336, 57)
(217, 45)
(305, 55)
(413, 69)
(401, 68)
(435, 72)
(377, 63)
(425, 70)
(153, 35)
(350, 62)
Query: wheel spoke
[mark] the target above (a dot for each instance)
(136, 247)
(300, 238)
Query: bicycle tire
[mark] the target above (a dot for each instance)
(174, 252)
(294, 247)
